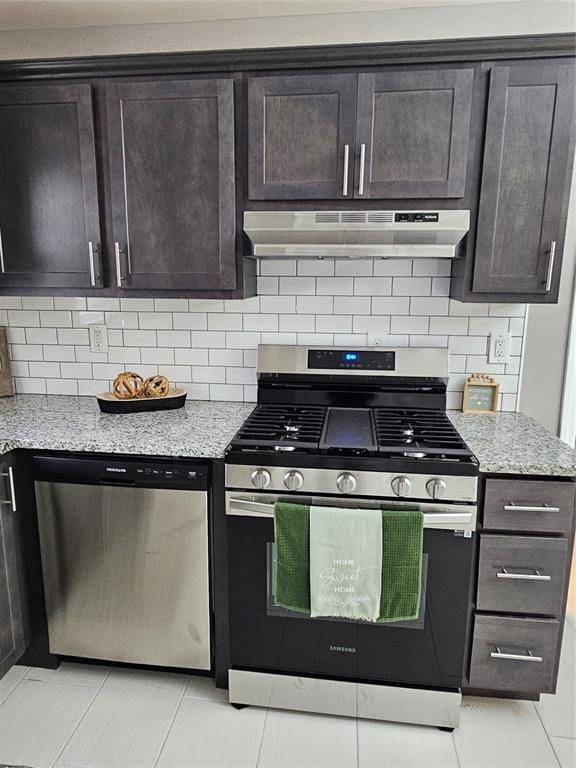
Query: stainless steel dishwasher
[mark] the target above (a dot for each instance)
(125, 562)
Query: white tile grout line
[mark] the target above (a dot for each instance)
(256, 764)
(169, 729)
(546, 734)
(16, 684)
(88, 708)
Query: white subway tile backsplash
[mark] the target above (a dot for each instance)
(354, 268)
(391, 305)
(509, 402)
(37, 302)
(297, 323)
(61, 387)
(56, 318)
(24, 317)
(225, 321)
(372, 286)
(297, 286)
(72, 335)
(429, 305)
(143, 338)
(43, 369)
(121, 320)
(409, 324)
(192, 321)
(59, 352)
(334, 286)
(412, 286)
(316, 267)
(392, 267)
(310, 305)
(260, 322)
(159, 320)
(192, 356)
(171, 338)
(333, 323)
(209, 346)
(352, 305)
(280, 305)
(137, 305)
(41, 336)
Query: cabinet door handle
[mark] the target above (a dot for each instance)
(362, 166)
(529, 656)
(345, 174)
(12, 500)
(536, 576)
(551, 265)
(117, 251)
(511, 507)
(91, 260)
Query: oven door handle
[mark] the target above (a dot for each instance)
(448, 520)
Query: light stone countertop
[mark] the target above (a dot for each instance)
(67, 423)
(515, 444)
(510, 443)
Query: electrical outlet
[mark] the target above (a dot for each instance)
(376, 339)
(98, 338)
(499, 348)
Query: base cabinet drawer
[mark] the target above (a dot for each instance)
(514, 654)
(529, 505)
(522, 574)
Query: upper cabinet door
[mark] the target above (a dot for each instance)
(49, 227)
(301, 137)
(412, 133)
(527, 159)
(173, 184)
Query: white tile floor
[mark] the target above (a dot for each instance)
(96, 717)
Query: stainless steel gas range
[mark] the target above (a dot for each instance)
(351, 428)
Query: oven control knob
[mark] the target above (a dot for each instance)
(260, 478)
(436, 488)
(346, 482)
(293, 480)
(401, 486)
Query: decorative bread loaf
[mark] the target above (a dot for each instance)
(156, 386)
(128, 385)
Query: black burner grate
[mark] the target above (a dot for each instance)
(285, 427)
(418, 434)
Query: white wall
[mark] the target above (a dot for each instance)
(473, 20)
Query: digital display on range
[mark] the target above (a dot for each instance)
(359, 360)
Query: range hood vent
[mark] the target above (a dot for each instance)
(356, 234)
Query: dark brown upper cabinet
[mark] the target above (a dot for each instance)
(379, 135)
(49, 225)
(412, 133)
(523, 198)
(301, 136)
(172, 182)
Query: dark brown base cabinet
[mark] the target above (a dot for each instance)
(524, 561)
(128, 176)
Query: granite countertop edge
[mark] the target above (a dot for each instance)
(504, 443)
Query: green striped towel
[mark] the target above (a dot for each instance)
(402, 533)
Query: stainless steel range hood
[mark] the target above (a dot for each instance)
(356, 234)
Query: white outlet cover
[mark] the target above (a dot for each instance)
(376, 339)
(98, 338)
(499, 351)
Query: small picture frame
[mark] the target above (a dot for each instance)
(6, 381)
(480, 394)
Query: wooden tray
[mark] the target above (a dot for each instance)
(109, 403)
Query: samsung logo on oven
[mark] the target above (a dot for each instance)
(115, 469)
(342, 649)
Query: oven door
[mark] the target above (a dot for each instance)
(428, 651)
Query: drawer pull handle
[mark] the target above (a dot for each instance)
(529, 656)
(511, 507)
(536, 576)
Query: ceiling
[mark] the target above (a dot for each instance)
(56, 14)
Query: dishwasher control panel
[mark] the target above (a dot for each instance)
(100, 470)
